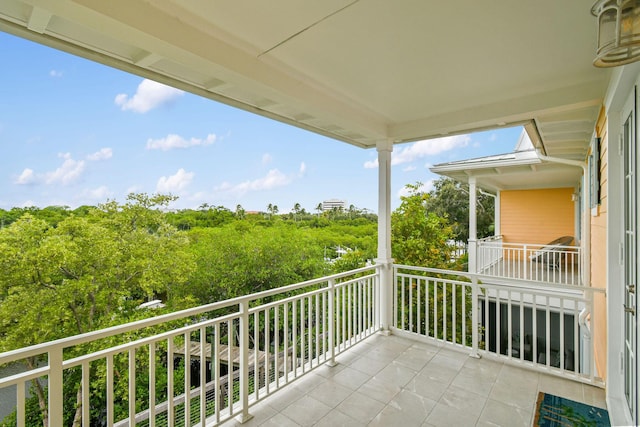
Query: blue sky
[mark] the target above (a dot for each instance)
(73, 133)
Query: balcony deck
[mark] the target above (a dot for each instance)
(535, 262)
(421, 376)
(391, 380)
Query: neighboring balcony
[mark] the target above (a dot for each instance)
(556, 262)
(320, 342)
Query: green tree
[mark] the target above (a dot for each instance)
(234, 261)
(419, 237)
(86, 274)
(450, 199)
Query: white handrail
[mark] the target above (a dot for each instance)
(538, 262)
(242, 341)
(254, 351)
(525, 322)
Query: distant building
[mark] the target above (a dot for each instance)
(331, 204)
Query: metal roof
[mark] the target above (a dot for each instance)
(520, 169)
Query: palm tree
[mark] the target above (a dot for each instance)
(296, 211)
(240, 212)
(352, 211)
(319, 208)
(272, 209)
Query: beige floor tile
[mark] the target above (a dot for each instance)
(414, 407)
(279, 420)
(368, 365)
(351, 378)
(476, 379)
(415, 358)
(463, 400)
(397, 381)
(439, 373)
(560, 387)
(336, 418)
(595, 396)
(306, 411)
(361, 407)
(382, 391)
(330, 393)
(396, 374)
(426, 386)
(444, 415)
(522, 395)
(500, 414)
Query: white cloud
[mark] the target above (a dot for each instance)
(303, 169)
(172, 141)
(67, 173)
(174, 183)
(420, 149)
(26, 177)
(55, 73)
(429, 147)
(409, 168)
(266, 158)
(103, 154)
(273, 179)
(101, 193)
(149, 95)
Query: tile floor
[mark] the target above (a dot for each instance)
(394, 381)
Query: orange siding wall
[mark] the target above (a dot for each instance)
(599, 253)
(536, 216)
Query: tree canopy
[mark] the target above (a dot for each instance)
(450, 199)
(420, 237)
(72, 271)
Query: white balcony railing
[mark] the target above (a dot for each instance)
(242, 350)
(252, 345)
(558, 264)
(548, 328)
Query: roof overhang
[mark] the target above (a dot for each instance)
(362, 72)
(522, 170)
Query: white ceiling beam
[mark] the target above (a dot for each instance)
(39, 20)
(147, 59)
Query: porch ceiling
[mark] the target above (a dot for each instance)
(359, 71)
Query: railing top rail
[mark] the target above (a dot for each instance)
(535, 246)
(60, 344)
(491, 238)
(507, 282)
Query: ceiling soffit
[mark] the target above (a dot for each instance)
(358, 71)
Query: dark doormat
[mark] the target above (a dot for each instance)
(554, 411)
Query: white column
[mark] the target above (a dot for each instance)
(496, 215)
(384, 259)
(56, 382)
(473, 249)
(473, 231)
(244, 415)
